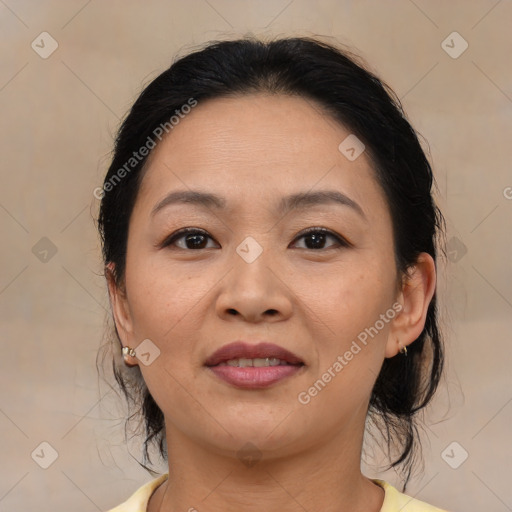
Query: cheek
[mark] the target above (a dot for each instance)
(348, 304)
(349, 352)
(348, 298)
(162, 298)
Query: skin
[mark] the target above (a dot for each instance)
(252, 150)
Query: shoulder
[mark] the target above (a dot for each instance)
(138, 501)
(395, 501)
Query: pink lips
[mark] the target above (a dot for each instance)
(253, 377)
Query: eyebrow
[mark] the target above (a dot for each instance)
(301, 200)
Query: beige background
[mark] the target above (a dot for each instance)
(58, 116)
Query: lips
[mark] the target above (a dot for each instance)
(242, 350)
(253, 367)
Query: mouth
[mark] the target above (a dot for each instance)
(253, 366)
(257, 362)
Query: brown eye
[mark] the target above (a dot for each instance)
(316, 238)
(188, 238)
(196, 239)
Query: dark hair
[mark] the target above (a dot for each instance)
(337, 81)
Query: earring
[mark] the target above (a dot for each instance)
(403, 350)
(128, 351)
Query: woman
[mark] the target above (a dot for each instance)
(269, 238)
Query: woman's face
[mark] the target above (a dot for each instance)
(252, 275)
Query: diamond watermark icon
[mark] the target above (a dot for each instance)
(44, 250)
(249, 249)
(454, 45)
(456, 249)
(44, 45)
(351, 147)
(44, 455)
(454, 455)
(147, 352)
(249, 454)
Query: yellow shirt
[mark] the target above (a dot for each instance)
(394, 501)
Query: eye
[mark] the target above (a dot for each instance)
(317, 238)
(191, 238)
(196, 239)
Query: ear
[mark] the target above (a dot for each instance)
(120, 311)
(417, 292)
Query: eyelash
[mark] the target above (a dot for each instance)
(343, 243)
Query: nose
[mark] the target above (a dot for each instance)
(255, 291)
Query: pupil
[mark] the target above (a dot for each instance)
(318, 239)
(197, 239)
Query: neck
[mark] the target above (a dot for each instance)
(324, 478)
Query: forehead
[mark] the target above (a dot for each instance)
(261, 144)
(278, 126)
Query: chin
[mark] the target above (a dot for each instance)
(258, 431)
